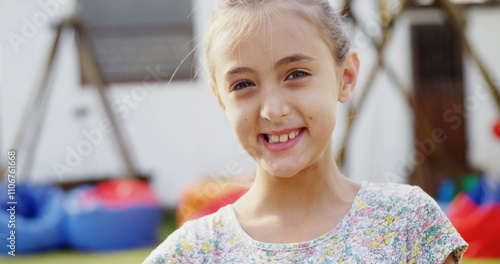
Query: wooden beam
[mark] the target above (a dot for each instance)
(94, 74)
(457, 22)
(354, 110)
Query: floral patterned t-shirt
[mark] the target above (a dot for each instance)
(387, 223)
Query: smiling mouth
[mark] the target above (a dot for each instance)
(281, 138)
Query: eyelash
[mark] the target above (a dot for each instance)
(302, 73)
(248, 83)
(235, 86)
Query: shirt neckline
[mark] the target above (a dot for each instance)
(297, 245)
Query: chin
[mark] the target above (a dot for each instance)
(281, 171)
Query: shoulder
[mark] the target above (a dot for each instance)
(429, 234)
(399, 207)
(407, 198)
(393, 190)
(193, 238)
(390, 195)
(404, 200)
(386, 206)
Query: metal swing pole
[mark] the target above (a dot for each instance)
(91, 67)
(35, 107)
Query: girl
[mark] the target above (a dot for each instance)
(278, 69)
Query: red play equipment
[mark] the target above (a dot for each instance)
(475, 214)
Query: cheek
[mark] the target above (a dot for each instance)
(322, 119)
(328, 122)
(241, 122)
(245, 129)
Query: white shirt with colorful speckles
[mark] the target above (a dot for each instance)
(387, 223)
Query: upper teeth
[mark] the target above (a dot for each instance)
(282, 138)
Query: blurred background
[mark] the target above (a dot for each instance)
(107, 106)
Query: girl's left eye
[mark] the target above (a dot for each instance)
(297, 75)
(241, 85)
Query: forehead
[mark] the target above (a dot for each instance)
(272, 36)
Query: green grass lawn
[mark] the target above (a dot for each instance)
(65, 256)
(481, 261)
(123, 257)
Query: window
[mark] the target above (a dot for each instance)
(132, 38)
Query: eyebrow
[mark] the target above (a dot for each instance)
(292, 58)
(284, 61)
(237, 70)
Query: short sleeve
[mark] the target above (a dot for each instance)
(431, 235)
(174, 249)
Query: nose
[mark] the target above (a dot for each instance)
(274, 104)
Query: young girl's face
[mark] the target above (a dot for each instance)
(279, 89)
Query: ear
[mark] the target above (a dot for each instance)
(349, 76)
(213, 87)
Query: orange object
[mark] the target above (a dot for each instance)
(207, 196)
(224, 199)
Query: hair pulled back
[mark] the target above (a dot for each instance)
(236, 18)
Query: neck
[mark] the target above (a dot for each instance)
(314, 188)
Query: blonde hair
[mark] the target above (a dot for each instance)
(236, 18)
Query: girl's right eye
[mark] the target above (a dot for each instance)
(241, 85)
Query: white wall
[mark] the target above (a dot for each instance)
(380, 145)
(177, 130)
(484, 147)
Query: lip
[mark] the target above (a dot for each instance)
(282, 146)
(284, 131)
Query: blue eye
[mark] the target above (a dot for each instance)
(241, 85)
(297, 75)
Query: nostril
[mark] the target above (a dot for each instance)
(285, 110)
(274, 105)
(275, 114)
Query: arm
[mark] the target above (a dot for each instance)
(450, 260)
